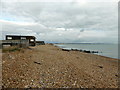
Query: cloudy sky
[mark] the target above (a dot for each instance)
(72, 21)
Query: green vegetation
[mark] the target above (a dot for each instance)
(11, 49)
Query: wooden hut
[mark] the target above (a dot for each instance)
(40, 43)
(31, 39)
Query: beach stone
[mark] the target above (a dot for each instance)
(3, 62)
(11, 57)
(75, 83)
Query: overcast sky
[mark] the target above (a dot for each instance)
(66, 21)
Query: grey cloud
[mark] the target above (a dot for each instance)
(74, 18)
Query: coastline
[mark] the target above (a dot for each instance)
(50, 67)
(110, 53)
(90, 52)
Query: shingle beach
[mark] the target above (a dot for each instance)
(47, 66)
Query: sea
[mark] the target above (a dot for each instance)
(108, 50)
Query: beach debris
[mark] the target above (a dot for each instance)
(116, 75)
(29, 48)
(100, 66)
(37, 62)
(77, 57)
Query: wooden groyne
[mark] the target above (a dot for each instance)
(86, 51)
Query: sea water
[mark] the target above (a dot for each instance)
(108, 50)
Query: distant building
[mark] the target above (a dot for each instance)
(40, 43)
(31, 39)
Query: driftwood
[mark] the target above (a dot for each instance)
(37, 62)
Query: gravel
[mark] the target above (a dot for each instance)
(47, 66)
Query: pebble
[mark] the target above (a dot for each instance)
(23, 80)
(11, 57)
(3, 62)
(75, 83)
(26, 86)
(45, 75)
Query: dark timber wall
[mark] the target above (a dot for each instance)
(21, 43)
(31, 39)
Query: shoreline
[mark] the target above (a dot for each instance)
(86, 51)
(47, 66)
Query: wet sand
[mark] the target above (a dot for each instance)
(47, 66)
